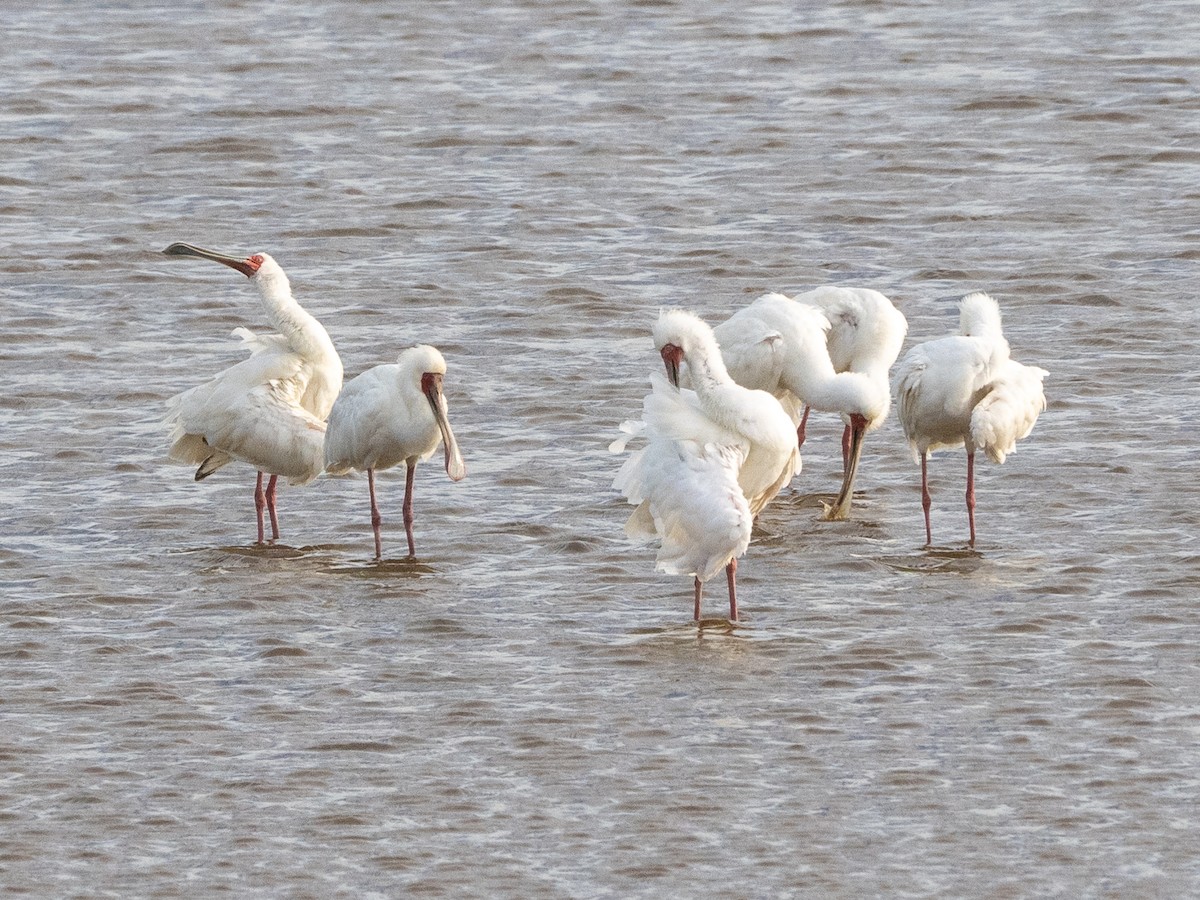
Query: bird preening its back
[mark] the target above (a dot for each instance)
(966, 390)
(828, 349)
(269, 410)
(715, 456)
(393, 414)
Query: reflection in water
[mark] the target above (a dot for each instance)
(384, 569)
(934, 559)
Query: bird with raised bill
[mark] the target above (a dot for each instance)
(269, 410)
(965, 390)
(714, 457)
(393, 414)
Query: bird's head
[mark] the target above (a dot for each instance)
(430, 366)
(672, 356)
(678, 334)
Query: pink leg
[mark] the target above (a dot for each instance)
(730, 576)
(926, 500)
(699, 591)
(971, 494)
(803, 424)
(376, 518)
(408, 508)
(270, 498)
(845, 450)
(260, 503)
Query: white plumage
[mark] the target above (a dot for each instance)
(828, 349)
(715, 456)
(866, 330)
(685, 485)
(393, 414)
(966, 390)
(267, 410)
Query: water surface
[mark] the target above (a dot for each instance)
(526, 709)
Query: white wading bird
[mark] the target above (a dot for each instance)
(964, 389)
(829, 349)
(715, 456)
(393, 414)
(268, 410)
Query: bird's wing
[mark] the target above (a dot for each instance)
(908, 377)
(1008, 411)
(194, 450)
(261, 343)
(866, 329)
(248, 412)
(360, 425)
(685, 484)
(316, 386)
(269, 359)
(938, 384)
(776, 474)
(671, 414)
(793, 406)
(271, 362)
(751, 349)
(688, 496)
(270, 433)
(677, 415)
(772, 457)
(701, 513)
(630, 429)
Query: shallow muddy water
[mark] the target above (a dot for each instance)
(526, 709)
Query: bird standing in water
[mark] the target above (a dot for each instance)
(966, 390)
(269, 410)
(715, 456)
(388, 415)
(794, 350)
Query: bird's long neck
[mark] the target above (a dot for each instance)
(306, 337)
(303, 332)
(808, 373)
(729, 404)
(979, 316)
(846, 392)
(707, 369)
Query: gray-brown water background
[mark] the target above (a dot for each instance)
(527, 710)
